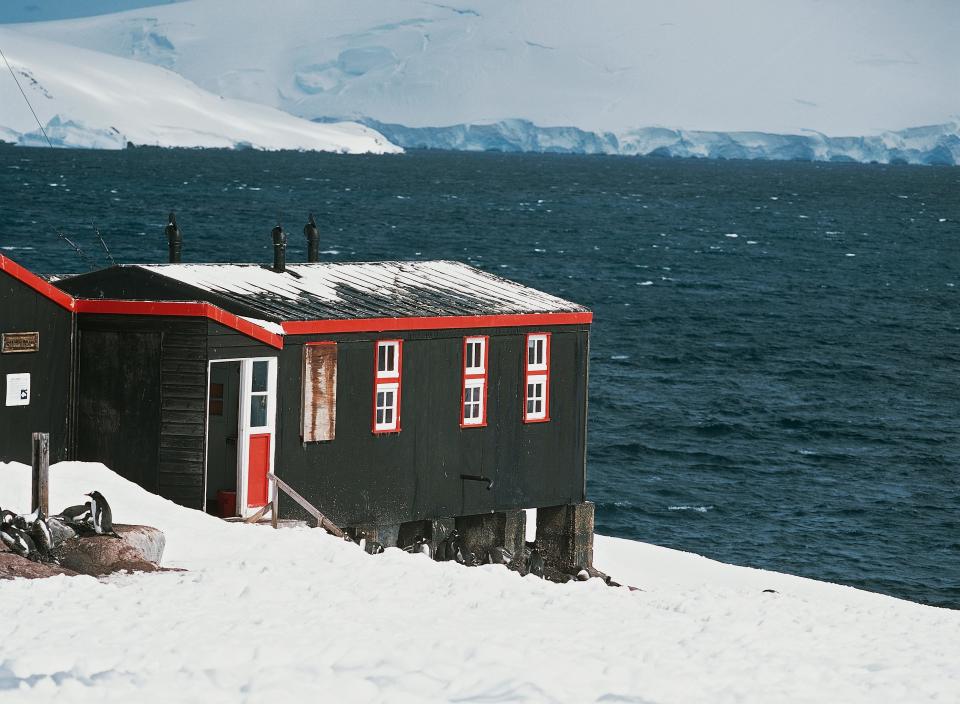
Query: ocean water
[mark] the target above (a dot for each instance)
(775, 359)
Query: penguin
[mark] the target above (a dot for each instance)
(75, 514)
(462, 555)
(535, 565)
(425, 547)
(40, 532)
(419, 545)
(499, 555)
(7, 517)
(583, 575)
(100, 514)
(18, 542)
(373, 547)
(60, 529)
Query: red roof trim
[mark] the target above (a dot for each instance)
(44, 288)
(449, 322)
(179, 308)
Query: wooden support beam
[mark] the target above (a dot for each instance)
(40, 495)
(322, 521)
(275, 503)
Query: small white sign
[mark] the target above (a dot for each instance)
(18, 389)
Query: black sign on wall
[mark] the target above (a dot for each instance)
(19, 342)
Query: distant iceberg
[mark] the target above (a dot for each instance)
(933, 144)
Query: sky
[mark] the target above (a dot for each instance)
(42, 10)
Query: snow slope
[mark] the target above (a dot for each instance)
(91, 99)
(565, 75)
(266, 615)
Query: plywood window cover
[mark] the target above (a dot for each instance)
(319, 399)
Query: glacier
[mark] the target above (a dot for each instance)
(88, 99)
(800, 80)
(931, 145)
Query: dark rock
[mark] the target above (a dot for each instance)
(132, 550)
(12, 566)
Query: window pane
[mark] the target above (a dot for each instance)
(388, 416)
(258, 411)
(390, 361)
(260, 376)
(381, 357)
(379, 415)
(380, 396)
(529, 406)
(388, 398)
(530, 352)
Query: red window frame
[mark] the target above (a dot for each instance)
(537, 373)
(384, 380)
(469, 376)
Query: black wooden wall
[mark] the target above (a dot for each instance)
(142, 401)
(143, 413)
(415, 474)
(24, 310)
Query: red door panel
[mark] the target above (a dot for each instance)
(257, 470)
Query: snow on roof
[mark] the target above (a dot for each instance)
(363, 290)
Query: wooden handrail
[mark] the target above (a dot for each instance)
(322, 521)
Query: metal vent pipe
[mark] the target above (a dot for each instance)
(279, 250)
(174, 238)
(313, 239)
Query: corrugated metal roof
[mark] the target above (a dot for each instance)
(325, 291)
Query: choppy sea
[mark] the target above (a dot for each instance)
(775, 358)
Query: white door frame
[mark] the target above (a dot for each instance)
(244, 430)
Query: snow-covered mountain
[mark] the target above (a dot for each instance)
(91, 99)
(804, 79)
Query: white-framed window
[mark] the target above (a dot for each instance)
(386, 417)
(473, 404)
(537, 352)
(387, 366)
(475, 355)
(388, 359)
(536, 378)
(536, 397)
(259, 394)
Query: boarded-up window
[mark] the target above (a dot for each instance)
(319, 413)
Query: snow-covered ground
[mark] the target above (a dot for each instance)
(91, 99)
(266, 615)
(684, 77)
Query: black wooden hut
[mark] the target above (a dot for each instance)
(399, 398)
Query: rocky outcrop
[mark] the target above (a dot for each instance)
(134, 549)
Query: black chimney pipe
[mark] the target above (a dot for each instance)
(174, 238)
(279, 250)
(313, 239)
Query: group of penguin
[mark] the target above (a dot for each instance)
(37, 537)
(452, 549)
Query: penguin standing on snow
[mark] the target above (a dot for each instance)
(100, 514)
(6, 517)
(535, 566)
(499, 555)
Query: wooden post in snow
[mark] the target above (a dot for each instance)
(40, 497)
(275, 507)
